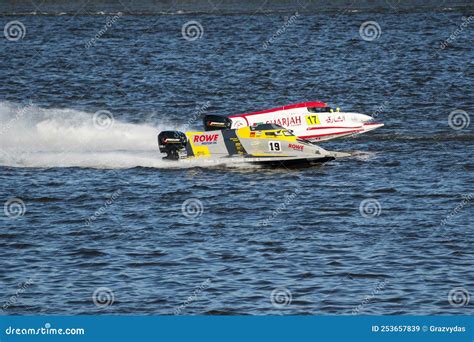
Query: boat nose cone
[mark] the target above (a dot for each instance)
(370, 126)
(367, 122)
(373, 124)
(365, 118)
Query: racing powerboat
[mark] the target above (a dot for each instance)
(312, 121)
(267, 144)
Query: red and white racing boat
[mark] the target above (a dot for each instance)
(313, 121)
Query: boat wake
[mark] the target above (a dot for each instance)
(31, 136)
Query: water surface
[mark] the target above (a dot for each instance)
(103, 210)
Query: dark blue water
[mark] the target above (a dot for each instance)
(95, 210)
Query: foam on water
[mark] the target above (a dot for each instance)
(31, 136)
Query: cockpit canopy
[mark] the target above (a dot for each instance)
(265, 127)
(326, 109)
(272, 129)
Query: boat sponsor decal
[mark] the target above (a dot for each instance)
(287, 122)
(335, 118)
(312, 120)
(206, 139)
(296, 147)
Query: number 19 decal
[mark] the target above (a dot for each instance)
(274, 146)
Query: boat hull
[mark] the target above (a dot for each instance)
(313, 121)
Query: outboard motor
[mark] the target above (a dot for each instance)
(216, 122)
(171, 142)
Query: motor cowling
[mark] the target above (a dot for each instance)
(171, 142)
(216, 122)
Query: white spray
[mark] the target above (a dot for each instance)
(35, 137)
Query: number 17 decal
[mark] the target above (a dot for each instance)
(274, 146)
